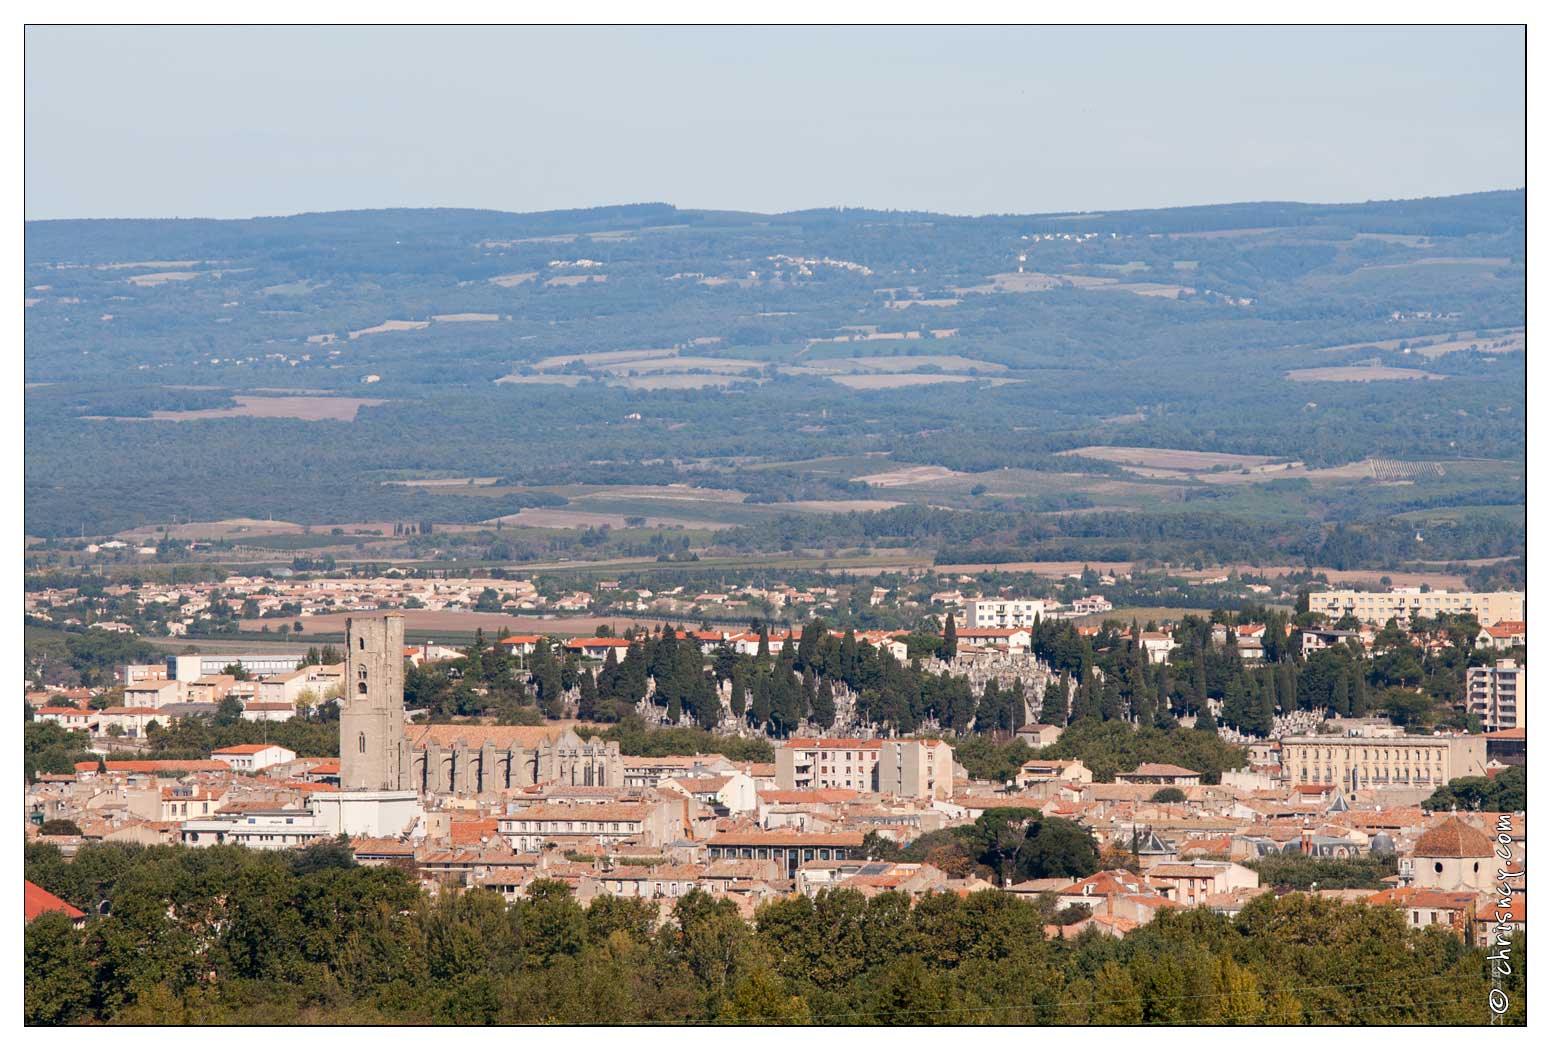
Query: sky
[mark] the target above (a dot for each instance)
(226, 123)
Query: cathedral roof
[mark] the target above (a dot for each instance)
(447, 735)
(1453, 838)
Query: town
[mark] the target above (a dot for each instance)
(820, 785)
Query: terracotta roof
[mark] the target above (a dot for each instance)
(1453, 838)
(582, 812)
(761, 838)
(1514, 913)
(38, 901)
(1163, 770)
(244, 749)
(473, 833)
(385, 847)
(818, 795)
(834, 742)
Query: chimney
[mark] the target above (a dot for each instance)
(1306, 843)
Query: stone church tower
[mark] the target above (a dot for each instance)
(373, 753)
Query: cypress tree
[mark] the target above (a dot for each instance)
(824, 705)
(739, 699)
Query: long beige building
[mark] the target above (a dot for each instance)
(1377, 607)
(1361, 763)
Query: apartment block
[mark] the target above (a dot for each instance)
(1496, 694)
(914, 769)
(808, 763)
(1006, 612)
(1377, 607)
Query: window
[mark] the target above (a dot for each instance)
(362, 641)
(363, 744)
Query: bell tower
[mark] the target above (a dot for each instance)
(373, 752)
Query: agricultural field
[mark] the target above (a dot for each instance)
(1358, 374)
(266, 407)
(1489, 341)
(1176, 459)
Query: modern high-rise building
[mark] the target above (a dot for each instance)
(1496, 694)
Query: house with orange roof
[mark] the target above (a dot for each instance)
(1496, 922)
(84, 719)
(599, 648)
(1192, 882)
(1504, 635)
(251, 758)
(37, 902)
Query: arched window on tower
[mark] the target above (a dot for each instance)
(362, 742)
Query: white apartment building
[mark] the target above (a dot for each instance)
(1377, 607)
(1006, 612)
(278, 829)
(1496, 694)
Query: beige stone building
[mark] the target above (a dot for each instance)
(593, 825)
(373, 754)
(1377, 607)
(448, 759)
(1360, 763)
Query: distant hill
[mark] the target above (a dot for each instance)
(295, 366)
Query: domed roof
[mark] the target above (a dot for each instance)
(1453, 838)
(1382, 844)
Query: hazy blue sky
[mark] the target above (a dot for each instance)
(239, 122)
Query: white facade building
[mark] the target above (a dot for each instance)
(1006, 612)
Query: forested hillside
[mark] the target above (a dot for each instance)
(1345, 362)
